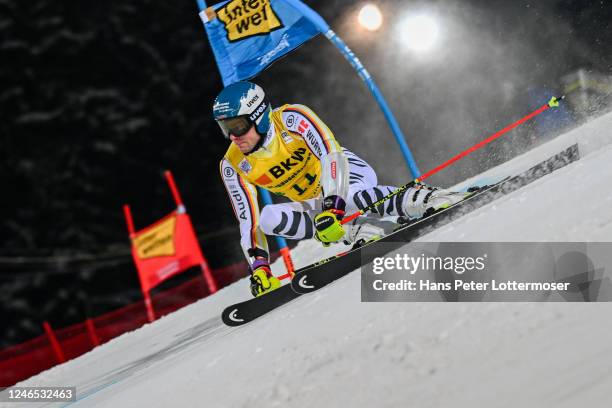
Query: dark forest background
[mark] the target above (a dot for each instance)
(97, 99)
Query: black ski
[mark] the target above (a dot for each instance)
(314, 277)
(321, 273)
(243, 312)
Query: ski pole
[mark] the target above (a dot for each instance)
(552, 103)
(379, 202)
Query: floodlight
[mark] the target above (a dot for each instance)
(370, 17)
(419, 32)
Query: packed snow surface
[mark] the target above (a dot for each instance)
(330, 349)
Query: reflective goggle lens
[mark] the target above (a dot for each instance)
(237, 126)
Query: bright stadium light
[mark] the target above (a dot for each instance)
(370, 17)
(419, 33)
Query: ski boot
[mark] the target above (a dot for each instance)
(367, 229)
(423, 200)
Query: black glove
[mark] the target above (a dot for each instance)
(335, 204)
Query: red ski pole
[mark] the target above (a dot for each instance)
(554, 102)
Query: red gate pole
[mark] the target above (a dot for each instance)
(149, 307)
(208, 277)
(91, 329)
(288, 264)
(147, 299)
(57, 349)
(175, 193)
(206, 271)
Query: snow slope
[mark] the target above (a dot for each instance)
(329, 349)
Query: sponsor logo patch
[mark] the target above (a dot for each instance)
(288, 139)
(260, 109)
(245, 166)
(290, 121)
(221, 109)
(252, 101)
(333, 170)
(286, 165)
(263, 180)
(244, 19)
(314, 143)
(228, 172)
(303, 126)
(239, 204)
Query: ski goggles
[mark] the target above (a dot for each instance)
(236, 126)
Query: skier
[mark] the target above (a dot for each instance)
(289, 151)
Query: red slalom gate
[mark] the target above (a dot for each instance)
(166, 248)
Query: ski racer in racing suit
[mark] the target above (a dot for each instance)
(289, 151)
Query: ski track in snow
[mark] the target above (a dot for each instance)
(329, 349)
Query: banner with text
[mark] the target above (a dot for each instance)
(247, 36)
(165, 248)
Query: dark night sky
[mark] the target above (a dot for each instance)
(98, 98)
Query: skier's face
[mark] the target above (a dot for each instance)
(246, 142)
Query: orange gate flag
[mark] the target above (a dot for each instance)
(165, 248)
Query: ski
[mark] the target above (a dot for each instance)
(243, 312)
(323, 272)
(316, 276)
